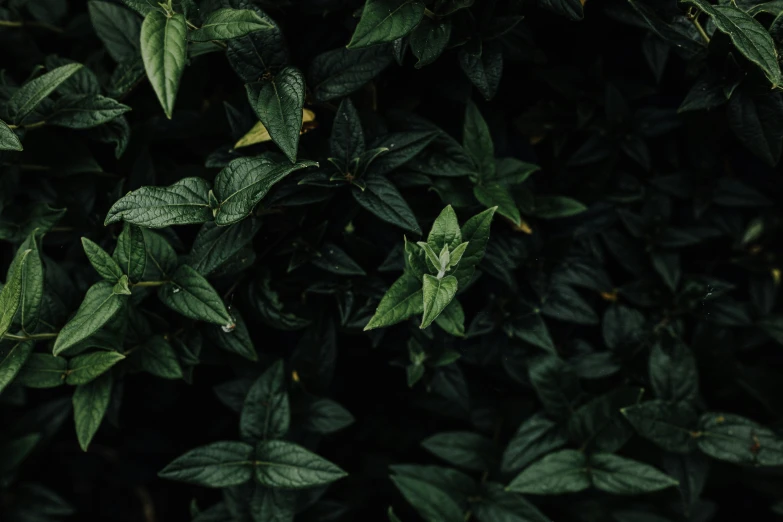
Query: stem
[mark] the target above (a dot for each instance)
(32, 337)
(150, 283)
(429, 14)
(41, 25)
(694, 18)
(28, 126)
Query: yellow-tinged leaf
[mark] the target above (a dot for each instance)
(776, 275)
(609, 296)
(523, 227)
(259, 134)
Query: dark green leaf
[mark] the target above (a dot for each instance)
(163, 50)
(386, 20)
(216, 465)
(266, 413)
(288, 466)
(192, 296)
(90, 402)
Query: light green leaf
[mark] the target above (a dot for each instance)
(164, 52)
(29, 95)
(732, 438)
(383, 199)
(445, 231)
(475, 232)
(402, 300)
(89, 366)
(99, 306)
(8, 138)
(452, 319)
(288, 466)
(84, 111)
(192, 296)
(278, 103)
(325, 416)
(266, 413)
(216, 465)
(90, 402)
(430, 501)
(13, 355)
(118, 28)
(226, 24)
(499, 197)
(432, 257)
(42, 370)
(455, 256)
(156, 356)
(101, 261)
(565, 471)
(183, 203)
(437, 294)
(551, 207)
(748, 36)
(386, 20)
(477, 142)
(460, 448)
(622, 476)
(245, 181)
(28, 262)
(131, 252)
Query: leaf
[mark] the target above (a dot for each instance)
(245, 181)
(437, 294)
(226, 24)
(452, 319)
(288, 466)
(621, 476)
(748, 36)
(259, 134)
(667, 424)
(266, 413)
(101, 261)
(599, 424)
(268, 305)
(118, 28)
(325, 416)
(13, 355)
(498, 505)
(161, 258)
(164, 52)
(85, 368)
(673, 373)
(431, 502)
(214, 245)
(191, 295)
(477, 142)
(99, 306)
(401, 147)
(535, 437)
(755, 120)
(464, 449)
(333, 259)
(403, 299)
(476, 232)
(733, 438)
(347, 139)
(42, 370)
(556, 384)
(571, 9)
(90, 402)
(623, 327)
(236, 340)
(429, 40)
(8, 138)
(216, 465)
(445, 231)
(131, 252)
(565, 471)
(498, 197)
(482, 63)
(84, 111)
(157, 357)
(340, 72)
(565, 303)
(27, 262)
(383, 199)
(384, 21)
(272, 505)
(31, 94)
(551, 207)
(183, 203)
(278, 103)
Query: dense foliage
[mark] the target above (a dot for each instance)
(442, 260)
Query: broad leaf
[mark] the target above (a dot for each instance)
(431, 502)
(464, 449)
(84, 111)
(622, 476)
(402, 300)
(565, 471)
(225, 24)
(340, 72)
(289, 466)
(266, 413)
(216, 465)
(118, 28)
(437, 294)
(90, 402)
(99, 306)
(386, 20)
(13, 355)
(101, 261)
(85, 368)
(535, 437)
(192, 296)
(163, 49)
(131, 252)
(31, 94)
(733, 438)
(8, 138)
(383, 199)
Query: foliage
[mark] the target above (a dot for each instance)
(441, 260)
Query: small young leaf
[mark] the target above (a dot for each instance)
(445, 232)
(436, 294)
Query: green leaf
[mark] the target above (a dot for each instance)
(551, 207)
(565, 471)
(13, 355)
(226, 24)
(623, 327)
(325, 416)
(84, 111)
(118, 28)
(28, 96)
(673, 373)
(431, 502)
(498, 505)
(452, 319)
(535, 437)
(8, 138)
(101, 261)
(477, 142)
(386, 20)
(268, 305)
(556, 384)
(278, 103)
(245, 181)
(347, 139)
(90, 402)
(42, 370)
(445, 231)
(214, 245)
(401, 147)
(183, 203)
(732, 438)
(164, 51)
(216, 465)
(599, 423)
(436, 294)
(748, 36)
(266, 413)
(191, 295)
(88, 367)
(27, 262)
(272, 505)
(236, 340)
(482, 63)
(340, 72)
(384, 200)
(670, 425)
(500, 198)
(99, 306)
(755, 120)
(464, 449)
(621, 476)
(429, 40)
(475, 232)
(402, 300)
(288, 466)
(131, 252)
(531, 328)
(157, 357)
(334, 259)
